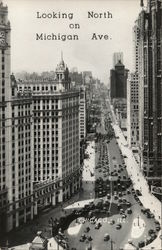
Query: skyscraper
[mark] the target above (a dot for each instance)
(118, 81)
(5, 108)
(15, 140)
(82, 113)
(150, 90)
(132, 111)
(133, 96)
(55, 107)
(39, 139)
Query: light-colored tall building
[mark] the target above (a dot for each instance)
(117, 56)
(56, 133)
(15, 141)
(5, 112)
(135, 47)
(39, 139)
(133, 96)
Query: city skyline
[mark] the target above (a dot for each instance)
(81, 53)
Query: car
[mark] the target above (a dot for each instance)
(119, 206)
(157, 228)
(106, 237)
(136, 198)
(153, 236)
(82, 238)
(124, 216)
(118, 226)
(112, 222)
(100, 194)
(157, 222)
(143, 210)
(129, 241)
(138, 192)
(128, 204)
(115, 197)
(97, 226)
(108, 196)
(150, 215)
(141, 243)
(129, 211)
(151, 231)
(89, 238)
(140, 203)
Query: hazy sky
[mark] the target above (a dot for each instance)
(85, 54)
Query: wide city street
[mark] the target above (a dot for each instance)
(111, 211)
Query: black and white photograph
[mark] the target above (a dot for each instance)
(80, 124)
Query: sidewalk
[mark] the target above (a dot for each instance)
(77, 201)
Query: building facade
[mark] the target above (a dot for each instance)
(82, 113)
(118, 81)
(150, 90)
(56, 135)
(39, 139)
(132, 111)
(133, 97)
(5, 110)
(15, 141)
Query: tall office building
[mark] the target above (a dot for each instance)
(150, 90)
(133, 96)
(15, 141)
(135, 47)
(82, 113)
(5, 109)
(117, 56)
(39, 139)
(118, 81)
(56, 133)
(132, 111)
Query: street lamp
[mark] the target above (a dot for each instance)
(138, 219)
(111, 244)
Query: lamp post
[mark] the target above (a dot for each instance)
(138, 219)
(111, 244)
